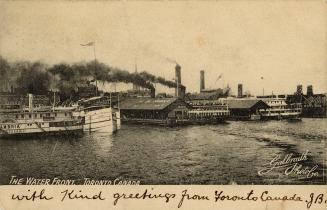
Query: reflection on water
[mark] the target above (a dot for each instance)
(215, 154)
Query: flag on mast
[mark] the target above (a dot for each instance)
(88, 44)
(219, 77)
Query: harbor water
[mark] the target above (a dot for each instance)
(231, 153)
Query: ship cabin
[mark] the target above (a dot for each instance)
(206, 107)
(38, 115)
(164, 111)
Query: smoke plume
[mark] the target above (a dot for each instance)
(39, 78)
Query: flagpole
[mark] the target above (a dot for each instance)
(95, 68)
(263, 87)
(95, 58)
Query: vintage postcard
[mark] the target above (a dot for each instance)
(132, 104)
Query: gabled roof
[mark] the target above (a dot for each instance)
(146, 103)
(205, 96)
(245, 103)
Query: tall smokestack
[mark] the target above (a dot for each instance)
(299, 89)
(202, 84)
(240, 91)
(136, 88)
(309, 90)
(183, 90)
(30, 102)
(178, 80)
(152, 93)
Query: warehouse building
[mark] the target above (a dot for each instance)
(165, 111)
(245, 109)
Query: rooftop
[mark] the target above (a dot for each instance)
(245, 103)
(146, 103)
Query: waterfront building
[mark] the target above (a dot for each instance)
(165, 111)
(245, 109)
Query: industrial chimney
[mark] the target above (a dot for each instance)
(240, 91)
(30, 101)
(299, 90)
(152, 93)
(309, 90)
(183, 90)
(202, 84)
(178, 80)
(136, 88)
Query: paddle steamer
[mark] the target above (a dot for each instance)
(35, 121)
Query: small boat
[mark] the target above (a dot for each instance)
(297, 119)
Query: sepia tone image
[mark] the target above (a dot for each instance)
(163, 92)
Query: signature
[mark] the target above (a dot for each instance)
(291, 164)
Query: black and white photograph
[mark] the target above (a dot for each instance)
(128, 92)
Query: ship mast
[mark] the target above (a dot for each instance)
(95, 68)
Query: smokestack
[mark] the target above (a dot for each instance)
(178, 80)
(240, 91)
(30, 102)
(309, 90)
(136, 88)
(152, 93)
(183, 90)
(299, 90)
(202, 84)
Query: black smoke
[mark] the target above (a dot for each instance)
(39, 78)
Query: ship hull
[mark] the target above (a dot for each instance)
(100, 120)
(57, 133)
(281, 116)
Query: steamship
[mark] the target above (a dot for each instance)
(36, 121)
(98, 114)
(208, 113)
(279, 109)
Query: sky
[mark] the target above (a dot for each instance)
(282, 41)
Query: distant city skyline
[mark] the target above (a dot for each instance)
(271, 45)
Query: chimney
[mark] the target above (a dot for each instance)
(153, 93)
(136, 88)
(240, 91)
(202, 81)
(183, 89)
(309, 90)
(30, 102)
(178, 80)
(299, 90)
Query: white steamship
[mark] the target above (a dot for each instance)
(22, 122)
(98, 115)
(89, 115)
(279, 109)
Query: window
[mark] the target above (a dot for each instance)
(29, 116)
(16, 116)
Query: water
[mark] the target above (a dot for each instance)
(214, 154)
